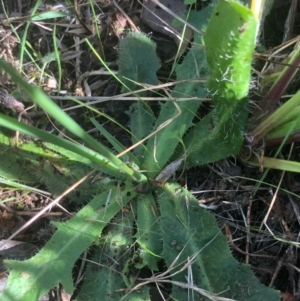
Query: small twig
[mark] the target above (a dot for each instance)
(49, 206)
(248, 227)
(176, 16)
(279, 264)
(126, 16)
(24, 112)
(229, 236)
(96, 100)
(295, 207)
(275, 195)
(227, 178)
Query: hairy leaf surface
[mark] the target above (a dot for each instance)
(31, 279)
(191, 234)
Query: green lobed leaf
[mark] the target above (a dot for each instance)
(10, 163)
(229, 42)
(193, 66)
(148, 232)
(141, 124)
(206, 143)
(31, 279)
(138, 61)
(104, 274)
(191, 233)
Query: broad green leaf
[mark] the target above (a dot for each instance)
(31, 279)
(229, 42)
(193, 66)
(138, 61)
(148, 232)
(141, 124)
(104, 275)
(191, 234)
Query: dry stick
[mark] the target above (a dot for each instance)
(279, 265)
(297, 213)
(164, 124)
(100, 99)
(126, 16)
(167, 274)
(283, 222)
(289, 23)
(19, 119)
(48, 207)
(248, 228)
(275, 196)
(234, 246)
(264, 222)
(211, 199)
(248, 222)
(33, 213)
(190, 279)
(269, 54)
(160, 292)
(82, 265)
(164, 275)
(175, 16)
(295, 208)
(76, 41)
(203, 292)
(14, 29)
(266, 218)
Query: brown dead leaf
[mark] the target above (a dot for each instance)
(287, 297)
(8, 101)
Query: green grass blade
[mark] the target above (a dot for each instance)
(148, 234)
(24, 37)
(49, 15)
(275, 163)
(281, 116)
(118, 146)
(56, 51)
(12, 124)
(50, 107)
